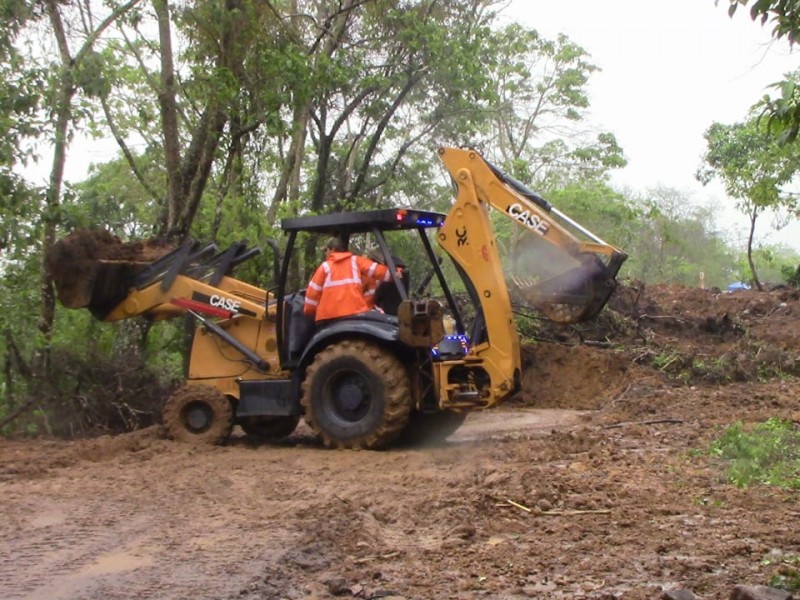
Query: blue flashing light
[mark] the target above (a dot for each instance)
(451, 346)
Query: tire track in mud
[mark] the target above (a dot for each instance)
(152, 529)
(61, 546)
(172, 521)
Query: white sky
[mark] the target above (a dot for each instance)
(668, 71)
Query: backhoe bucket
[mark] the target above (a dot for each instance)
(575, 295)
(569, 282)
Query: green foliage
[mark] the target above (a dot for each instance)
(750, 163)
(791, 274)
(766, 454)
(668, 238)
(20, 120)
(600, 209)
(112, 198)
(755, 169)
(542, 89)
(782, 112)
(784, 16)
(788, 577)
(772, 263)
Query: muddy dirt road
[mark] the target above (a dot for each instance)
(593, 483)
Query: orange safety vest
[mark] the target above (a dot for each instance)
(369, 286)
(336, 289)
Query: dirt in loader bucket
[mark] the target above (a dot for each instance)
(94, 269)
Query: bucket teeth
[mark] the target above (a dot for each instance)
(523, 283)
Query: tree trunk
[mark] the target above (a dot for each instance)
(753, 217)
(294, 159)
(50, 217)
(63, 113)
(197, 168)
(169, 120)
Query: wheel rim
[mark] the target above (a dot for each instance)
(198, 417)
(350, 396)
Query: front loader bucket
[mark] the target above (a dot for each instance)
(97, 285)
(94, 269)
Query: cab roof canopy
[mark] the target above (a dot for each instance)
(346, 223)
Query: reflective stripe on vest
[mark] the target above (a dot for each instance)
(355, 277)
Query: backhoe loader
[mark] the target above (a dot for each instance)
(362, 381)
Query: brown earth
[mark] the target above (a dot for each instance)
(92, 267)
(594, 482)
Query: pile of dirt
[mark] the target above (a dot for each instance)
(97, 244)
(93, 268)
(578, 377)
(670, 333)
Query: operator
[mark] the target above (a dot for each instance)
(336, 288)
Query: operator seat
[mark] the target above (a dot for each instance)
(298, 326)
(387, 296)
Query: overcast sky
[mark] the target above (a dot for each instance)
(668, 71)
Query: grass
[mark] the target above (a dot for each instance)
(767, 453)
(788, 576)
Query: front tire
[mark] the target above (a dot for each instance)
(198, 414)
(356, 395)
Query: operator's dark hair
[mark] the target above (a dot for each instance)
(337, 244)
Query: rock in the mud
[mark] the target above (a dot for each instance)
(678, 595)
(338, 586)
(759, 592)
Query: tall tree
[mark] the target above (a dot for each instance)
(755, 170)
(73, 70)
(22, 84)
(538, 121)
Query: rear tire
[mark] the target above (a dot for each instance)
(198, 414)
(269, 428)
(356, 395)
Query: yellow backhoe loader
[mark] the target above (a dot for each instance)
(362, 381)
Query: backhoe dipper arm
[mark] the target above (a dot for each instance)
(513, 198)
(467, 236)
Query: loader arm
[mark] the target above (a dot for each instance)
(154, 301)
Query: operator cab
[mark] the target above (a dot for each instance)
(368, 233)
